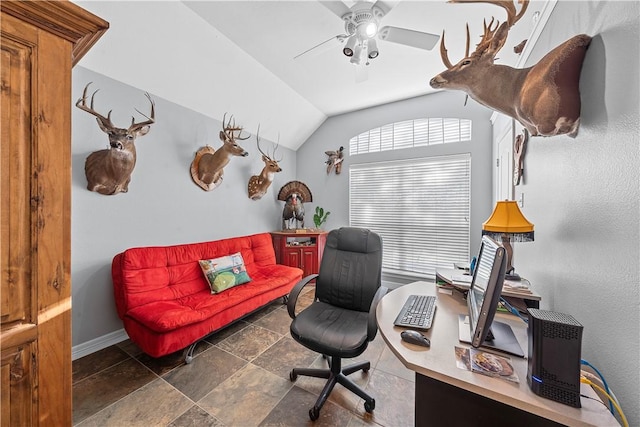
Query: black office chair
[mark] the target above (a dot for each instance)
(341, 321)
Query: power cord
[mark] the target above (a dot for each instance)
(513, 310)
(625, 423)
(604, 382)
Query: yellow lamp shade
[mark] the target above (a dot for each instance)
(507, 218)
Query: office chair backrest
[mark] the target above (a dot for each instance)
(351, 268)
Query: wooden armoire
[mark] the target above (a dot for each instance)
(41, 41)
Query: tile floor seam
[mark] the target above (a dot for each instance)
(74, 383)
(95, 414)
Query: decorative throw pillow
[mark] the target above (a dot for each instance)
(225, 272)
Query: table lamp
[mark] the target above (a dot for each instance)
(507, 224)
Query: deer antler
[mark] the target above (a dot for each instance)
(490, 31)
(150, 120)
(507, 5)
(272, 158)
(82, 104)
(258, 142)
(229, 129)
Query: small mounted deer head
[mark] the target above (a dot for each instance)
(544, 98)
(109, 171)
(259, 184)
(207, 168)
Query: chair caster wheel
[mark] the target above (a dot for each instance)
(370, 406)
(292, 376)
(314, 413)
(188, 359)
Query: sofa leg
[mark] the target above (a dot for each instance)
(188, 353)
(285, 299)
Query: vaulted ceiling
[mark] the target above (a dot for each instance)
(239, 57)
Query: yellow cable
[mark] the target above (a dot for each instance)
(625, 423)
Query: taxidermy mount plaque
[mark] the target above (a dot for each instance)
(207, 168)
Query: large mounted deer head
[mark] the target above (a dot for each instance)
(259, 184)
(207, 168)
(109, 171)
(544, 98)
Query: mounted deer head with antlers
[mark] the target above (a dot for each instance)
(544, 98)
(109, 171)
(207, 168)
(259, 184)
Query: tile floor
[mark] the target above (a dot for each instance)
(239, 377)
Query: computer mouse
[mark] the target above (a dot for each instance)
(415, 337)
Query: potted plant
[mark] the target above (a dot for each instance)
(320, 217)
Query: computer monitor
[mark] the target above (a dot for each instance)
(479, 328)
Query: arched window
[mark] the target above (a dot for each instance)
(411, 133)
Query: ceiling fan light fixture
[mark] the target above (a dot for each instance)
(349, 47)
(371, 29)
(357, 55)
(372, 49)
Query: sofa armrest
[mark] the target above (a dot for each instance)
(118, 291)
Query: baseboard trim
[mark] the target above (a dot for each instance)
(97, 344)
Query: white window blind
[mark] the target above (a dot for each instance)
(411, 133)
(420, 207)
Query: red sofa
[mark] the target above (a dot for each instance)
(165, 302)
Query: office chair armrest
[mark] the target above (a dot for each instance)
(372, 325)
(293, 295)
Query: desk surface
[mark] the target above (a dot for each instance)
(438, 361)
(448, 276)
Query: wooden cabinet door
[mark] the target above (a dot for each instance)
(309, 260)
(39, 41)
(17, 312)
(292, 258)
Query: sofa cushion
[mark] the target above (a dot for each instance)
(224, 272)
(166, 273)
(167, 315)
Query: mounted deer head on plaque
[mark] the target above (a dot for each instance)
(207, 168)
(109, 171)
(544, 98)
(259, 184)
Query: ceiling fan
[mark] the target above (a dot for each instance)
(362, 27)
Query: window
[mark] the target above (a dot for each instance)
(411, 133)
(420, 207)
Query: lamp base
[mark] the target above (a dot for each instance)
(512, 276)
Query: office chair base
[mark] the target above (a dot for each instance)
(335, 375)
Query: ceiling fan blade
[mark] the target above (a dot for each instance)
(386, 5)
(408, 37)
(324, 46)
(337, 7)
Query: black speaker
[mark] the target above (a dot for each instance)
(553, 369)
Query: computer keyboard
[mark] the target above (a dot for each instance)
(417, 312)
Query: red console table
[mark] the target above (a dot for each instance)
(300, 248)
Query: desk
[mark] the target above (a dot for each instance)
(449, 396)
(530, 299)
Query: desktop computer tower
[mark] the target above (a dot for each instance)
(553, 368)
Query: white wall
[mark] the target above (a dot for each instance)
(583, 196)
(332, 191)
(152, 45)
(163, 206)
